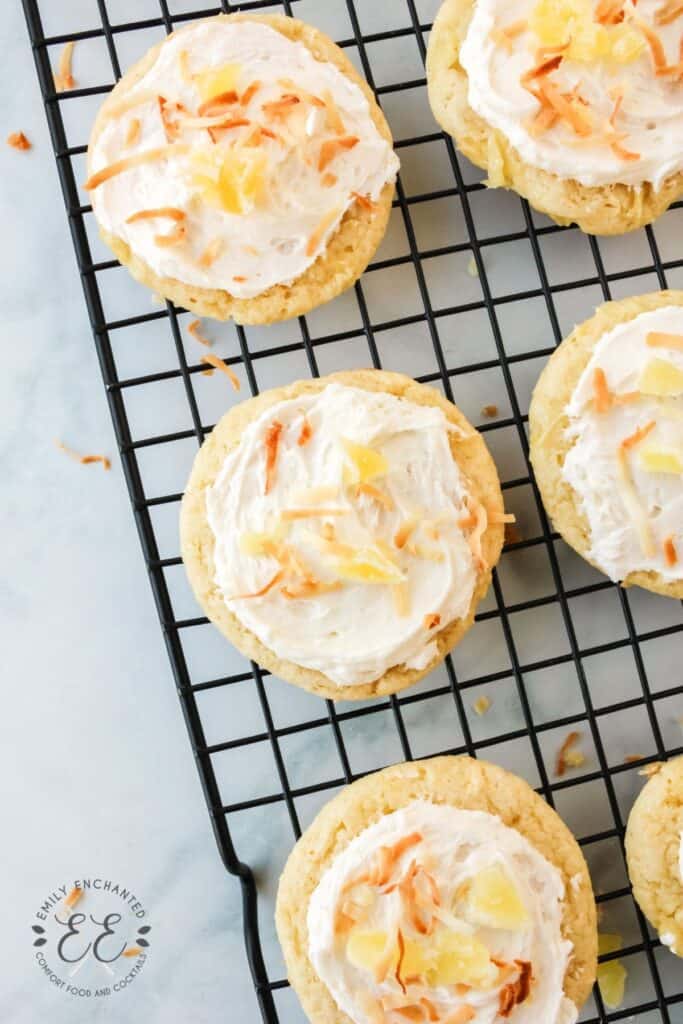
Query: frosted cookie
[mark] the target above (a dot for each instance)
(342, 531)
(654, 852)
(443, 890)
(575, 104)
(606, 431)
(243, 169)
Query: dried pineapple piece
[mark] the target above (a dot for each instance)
(661, 377)
(661, 460)
(366, 463)
(365, 949)
(369, 565)
(612, 983)
(233, 181)
(558, 22)
(216, 81)
(462, 959)
(494, 900)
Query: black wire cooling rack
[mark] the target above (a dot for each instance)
(470, 292)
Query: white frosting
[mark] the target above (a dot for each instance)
(591, 466)
(456, 845)
(266, 245)
(651, 115)
(352, 634)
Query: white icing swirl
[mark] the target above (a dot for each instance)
(591, 466)
(352, 634)
(456, 845)
(650, 119)
(268, 244)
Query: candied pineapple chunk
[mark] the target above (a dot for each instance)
(216, 81)
(661, 377)
(366, 463)
(233, 181)
(369, 565)
(462, 959)
(557, 22)
(365, 949)
(612, 983)
(494, 900)
(661, 460)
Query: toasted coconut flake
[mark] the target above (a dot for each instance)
(85, 460)
(564, 758)
(219, 364)
(321, 230)
(411, 1012)
(463, 1015)
(401, 596)
(282, 107)
(239, 279)
(217, 104)
(632, 758)
(63, 77)
(162, 211)
(272, 443)
(404, 532)
(365, 202)
(504, 36)
(651, 769)
(669, 12)
(129, 162)
(637, 436)
(217, 122)
(328, 180)
(399, 962)
(609, 12)
(309, 588)
(249, 93)
(331, 149)
(658, 339)
(602, 398)
(17, 140)
(490, 411)
(615, 143)
(432, 1012)
(545, 119)
(266, 588)
(655, 44)
(502, 517)
(375, 493)
(516, 992)
(132, 951)
(482, 704)
(544, 67)
(73, 897)
(195, 330)
(305, 433)
(670, 553)
(175, 237)
(170, 113)
(133, 133)
(431, 620)
(209, 256)
(312, 513)
(568, 106)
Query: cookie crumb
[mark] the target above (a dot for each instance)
(489, 411)
(651, 769)
(631, 758)
(17, 140)
(472, 268)
(567, 756)
(85, 460)
(482, 704)
(63, 77)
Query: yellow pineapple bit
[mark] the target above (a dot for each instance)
(365, 949)
(256, 544)
(612, 983)
(462, 960)
(233, 181)
(216, 81)
(369, 565)
(556, 22)
(661, 460)
(494, 900)
(661, 378)
(366, 463)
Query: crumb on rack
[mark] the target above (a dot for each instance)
(194, 329)
(489, 411)
(568, 756)
(85, 460)
(650, 769)
(17, 140)
(472, 268)
(220, 364)
(63, 77)
(482, 704)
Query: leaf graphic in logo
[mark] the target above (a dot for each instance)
(143, 942)
(145, 928)
(38, 929)
(40, 942)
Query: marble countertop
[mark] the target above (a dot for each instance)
(97, 775)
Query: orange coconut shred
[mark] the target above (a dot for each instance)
(209, 256)
(670, 553)
(669, 12)
(272, 443)
(375, 493)
(17, 140)
(658, 339)
(133, 133)
(561, 763)
(172, 212)
(609, 12)
(517, 991)
(305, 433)
(602, 397)
(217, 104)
(175, 237)
(170, 117)
(85, 460)
(129, 162)
(364, 201)
(656, 46)
(432, 620)
(309, 587)
(220, 364)
(63, 77)
(249, 93)
(331, 149)
(282, 107)
(463, 1015)
(195, 330)
(265, 589)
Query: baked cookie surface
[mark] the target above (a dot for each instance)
(554, 121)
(252, 197)
(364, 590)
(654, 852)
(420, 813)
(605, 431)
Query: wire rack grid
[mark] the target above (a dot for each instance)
(470, 292)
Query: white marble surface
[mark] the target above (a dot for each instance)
(97, 774)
